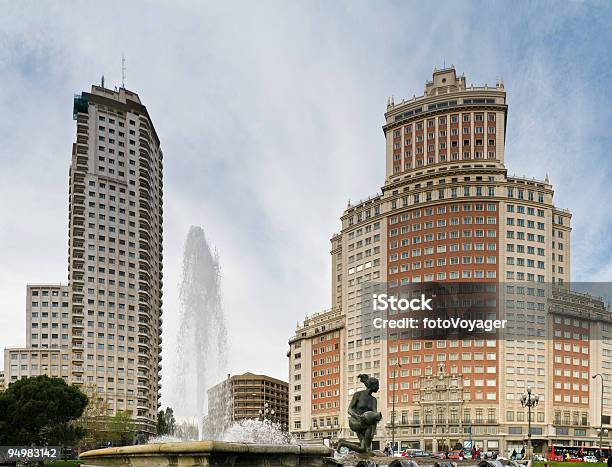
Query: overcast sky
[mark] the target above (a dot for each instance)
(270, 116)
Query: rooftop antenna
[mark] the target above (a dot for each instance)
(122, 70)
(102, 82)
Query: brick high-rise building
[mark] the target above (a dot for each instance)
(102, 331)
(314, 376)
(449, 212)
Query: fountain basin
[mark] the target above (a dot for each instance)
(210, 453)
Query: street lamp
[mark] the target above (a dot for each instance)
(600, 430)
(395, 374)
(265, 411)
(529, 400)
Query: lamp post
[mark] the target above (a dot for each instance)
(529, 400)
(397, 366)
(601, 430)
(265, 411)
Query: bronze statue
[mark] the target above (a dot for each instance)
(363, 416)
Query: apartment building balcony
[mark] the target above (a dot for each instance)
(77, 369)
(143, 240)
(143, 282)
(82, 137)
(82, 129)
(144, 193)
(81, 115)
(77, 314)
(79, 181)
(78, 231)
(78, 247)
(144, 142)
(145, 173)
(81, 158)
(144, 182)
(77, 301)
(144, 224)
(144, 294)
(78, 197)
(144, 163)
(144, 254)
(78, 214)
(78, 279)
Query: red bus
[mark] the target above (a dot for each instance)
(560, 452)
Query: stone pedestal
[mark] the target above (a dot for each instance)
(209, 453)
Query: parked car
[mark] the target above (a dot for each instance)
(408, 452)
(589, 459)
(455, 455)
(419, 453)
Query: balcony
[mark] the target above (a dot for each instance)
(144, 182)
(78, 279)
(145, 205)
(144, 193)
(144, 143)
(82, 129)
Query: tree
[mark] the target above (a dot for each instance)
(94, 420)
(121, 428)
(162, 428)
(40, 410)
(166, 423)
(170, 421)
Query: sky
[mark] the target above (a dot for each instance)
(269, 115)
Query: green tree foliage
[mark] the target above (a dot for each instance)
(39, 411)
(166, 423)
(162, 429)
(121, 429)
(94, 420)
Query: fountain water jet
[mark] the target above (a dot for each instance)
(202, 345)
